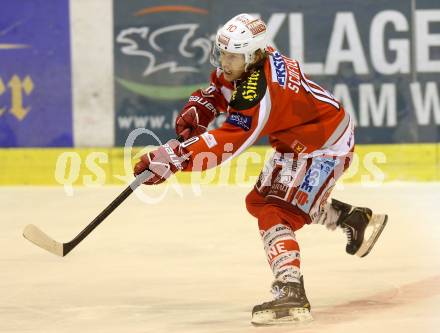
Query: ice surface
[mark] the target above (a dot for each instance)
(196, 264)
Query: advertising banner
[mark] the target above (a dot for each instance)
(381, 59)
(35, 74)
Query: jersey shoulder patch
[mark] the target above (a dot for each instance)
(250, 92)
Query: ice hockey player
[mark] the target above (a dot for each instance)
(267, 94)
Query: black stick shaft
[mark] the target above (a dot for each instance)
(140, 179)
(105, 213)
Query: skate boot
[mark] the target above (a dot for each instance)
(290, 305)
(354, 221)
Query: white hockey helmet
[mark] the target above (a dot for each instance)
(243, 34)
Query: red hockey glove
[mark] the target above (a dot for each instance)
(198, 113)
(162, 162)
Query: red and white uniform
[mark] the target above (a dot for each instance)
(312, 136)
(279, 102)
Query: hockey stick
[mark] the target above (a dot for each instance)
(39, 238)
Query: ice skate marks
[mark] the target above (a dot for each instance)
(377, 222)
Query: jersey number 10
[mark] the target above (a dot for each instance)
(319, 93)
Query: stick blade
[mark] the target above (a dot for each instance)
(39, 238)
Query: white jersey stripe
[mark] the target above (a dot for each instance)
(227, 93)
(320, 90)
(341, 147)
(320, 97)
(342, 127)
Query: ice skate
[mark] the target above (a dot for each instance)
(355, 221)
(290, 306)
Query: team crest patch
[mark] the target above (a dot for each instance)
(298, 147)
(239, 120)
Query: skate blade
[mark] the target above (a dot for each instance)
(269, 317)
(378, 222)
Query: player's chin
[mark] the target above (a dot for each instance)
(231, 76)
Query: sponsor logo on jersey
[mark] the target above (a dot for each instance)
(240, 120)
(249, 92)
(209, 139)
(249, 87)
(315, 177)
(280, 68)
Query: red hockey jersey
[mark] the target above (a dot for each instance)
(277, 100)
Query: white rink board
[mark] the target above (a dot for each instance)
(92, 72)
(196, 264)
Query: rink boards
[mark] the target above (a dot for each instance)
(105, 166)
